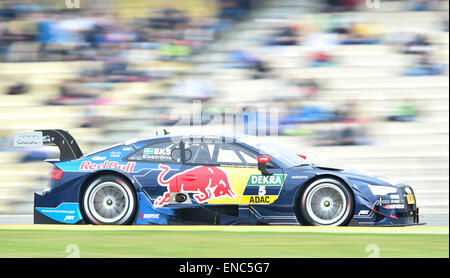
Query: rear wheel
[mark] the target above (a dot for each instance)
(326, 202)
(109, 200)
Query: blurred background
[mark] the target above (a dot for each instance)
(353, 83)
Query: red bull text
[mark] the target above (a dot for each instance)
(128, 168)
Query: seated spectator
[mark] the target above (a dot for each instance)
(425, 67)
(419, 44)
(233, 9)
(319, 59)
(341, 5)
(319, 45)
(18, 89)
(307, 88)
(403, 111)
(362, 33)
(283, 35)
(421, 5)
(242, 59)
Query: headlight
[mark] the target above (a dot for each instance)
(382, 190)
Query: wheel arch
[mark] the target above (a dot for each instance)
(97, 174)
(318, 177)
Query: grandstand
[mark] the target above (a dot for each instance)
(369, 75)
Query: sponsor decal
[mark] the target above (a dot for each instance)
(363, 212)
(259, 199)
(149, 215)
(157, 153)
(392, 202)
(394, 206)
(148, 150)
(99, 158)
(410, 199)
(299, 177)
(90, 166)
(126, 149)
(275, 180)
(206, 182)
(69, 218)
(66, 213)
(115, 154)
(263, 189)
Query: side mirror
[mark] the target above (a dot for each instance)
(262, 160)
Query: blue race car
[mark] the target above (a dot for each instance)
(209, 180)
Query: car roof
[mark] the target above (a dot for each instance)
(224, 137)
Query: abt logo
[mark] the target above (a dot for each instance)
(69, 217)
(73, 4)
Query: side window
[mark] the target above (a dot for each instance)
(219, 153)
(158, 152)
(249, 157)
(228, 156)
(199, 152)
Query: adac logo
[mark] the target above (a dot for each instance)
(207, 182)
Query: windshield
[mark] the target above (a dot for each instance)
(288, 158)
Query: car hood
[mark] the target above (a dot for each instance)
(364, 176)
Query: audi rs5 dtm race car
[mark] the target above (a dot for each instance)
(208, 180)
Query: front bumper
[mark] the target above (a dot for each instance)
(389, 211)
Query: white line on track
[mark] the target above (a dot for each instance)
(270, 229)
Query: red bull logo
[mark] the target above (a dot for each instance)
(207, 182)
(87, 165)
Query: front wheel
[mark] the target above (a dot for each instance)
(325, 202)
(109, 200)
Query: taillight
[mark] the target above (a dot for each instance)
(56, 174)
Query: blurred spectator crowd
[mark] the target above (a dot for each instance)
(37, 32)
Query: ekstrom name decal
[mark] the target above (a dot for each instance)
(87, 165)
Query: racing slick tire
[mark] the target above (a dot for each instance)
(325, 202)
(108, 200)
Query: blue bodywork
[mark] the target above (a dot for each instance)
(60, 201)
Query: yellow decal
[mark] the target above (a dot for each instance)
(258, 199)
(410, 199)
(238, 179)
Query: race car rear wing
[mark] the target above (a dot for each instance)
(68, 147)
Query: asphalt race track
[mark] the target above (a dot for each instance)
(431, 220)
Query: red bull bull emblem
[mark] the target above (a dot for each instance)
(207, 182)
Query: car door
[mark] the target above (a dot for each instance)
(226, 173)
(157, 166)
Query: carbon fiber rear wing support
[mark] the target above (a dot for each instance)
(68, 147)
